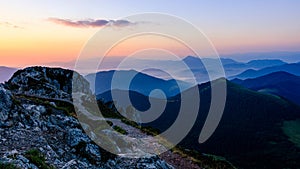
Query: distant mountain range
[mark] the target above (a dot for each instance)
(293, 68)
(195, 62)
(279, 83)
(194, 71)
(111, 63)
(290, 57)
(142, 83)
(231, 67)
(6, 73)
(259, 64)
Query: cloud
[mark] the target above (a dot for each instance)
(8, 24)
(91, 22)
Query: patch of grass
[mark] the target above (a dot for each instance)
(110, 123)
(7, 166)
(108, 110)
(146, 129)
(292, 130)
(67, 108)
(16, 101)
(203, 160)
(120, 130)
(131, 123)
(150, 130)
(37, 159)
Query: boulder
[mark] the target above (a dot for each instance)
(6, 103)
(76, 136)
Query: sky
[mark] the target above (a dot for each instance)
(37, 32)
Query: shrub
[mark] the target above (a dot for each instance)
(37, 159)
(7, 166)
(120, 130)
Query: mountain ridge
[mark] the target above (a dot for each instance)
(6, 73)
(250, 120)
(293, 68)
(141, 82)
(279, 83)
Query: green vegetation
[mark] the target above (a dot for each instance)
(69, 110)
(292, 130)
(150, 130)
(15, 100)
(146, 129)
(120, 130)
(203, 160)
(110, 123)
(7, 166)
(60, 105)
(131, 123)
(108, 110)
(37, 159)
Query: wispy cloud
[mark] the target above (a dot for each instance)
(91, 22)
(8, 24)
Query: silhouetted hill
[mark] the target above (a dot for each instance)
(254, 64)
(195, 62)
(6, 73)
(141, 82)
(231, 67)
(250, 133)
(280, 83)
(293, 68)
(290, 57)
(264, 63)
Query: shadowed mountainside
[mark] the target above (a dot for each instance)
(279, 83)
(252, 132)
(141, 82)
(293, 68)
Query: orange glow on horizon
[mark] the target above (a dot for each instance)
(134, 44)
(34, 46)
(45, 42)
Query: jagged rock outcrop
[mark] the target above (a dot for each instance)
(5, 107)
(31, 120)
(47, 82)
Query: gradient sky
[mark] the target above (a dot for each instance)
(36, 32)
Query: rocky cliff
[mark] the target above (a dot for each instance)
(39, 129)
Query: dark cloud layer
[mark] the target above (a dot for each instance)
(91, 22)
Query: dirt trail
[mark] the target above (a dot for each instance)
(145, 144)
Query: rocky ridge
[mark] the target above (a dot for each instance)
(36, 115)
